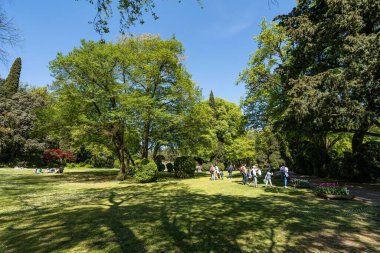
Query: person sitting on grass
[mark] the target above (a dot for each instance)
(268, 178)
(37, 171)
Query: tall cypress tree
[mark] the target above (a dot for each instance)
(211, 101)
(12, 82)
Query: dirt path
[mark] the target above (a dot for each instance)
(365, 193)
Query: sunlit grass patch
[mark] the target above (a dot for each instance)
(89, 211)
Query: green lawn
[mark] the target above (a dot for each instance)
(86, 210)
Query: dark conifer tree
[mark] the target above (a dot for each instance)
(11, 84)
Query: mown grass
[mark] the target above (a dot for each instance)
(86, 210)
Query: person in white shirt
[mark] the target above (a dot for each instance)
(268, 178)
(217, 171)
(286, 176)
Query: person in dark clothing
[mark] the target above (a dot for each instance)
(230, 169)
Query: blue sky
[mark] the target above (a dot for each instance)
(218, 38)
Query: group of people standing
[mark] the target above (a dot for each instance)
(251, 175)
(216, 173)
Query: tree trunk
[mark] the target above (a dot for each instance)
(155, 150)
(130, 158)
(119, 145)
(121, 159)
(358, 138)
(145, 147)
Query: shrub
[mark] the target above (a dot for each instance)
(299, 183)
(160, 167)
(70, 165)
(58, 157)
(158, 160)
(184, 167)
(331, 189)
(170, 167)
(120, 176)
(146, 172)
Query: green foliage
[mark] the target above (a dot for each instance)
(206, 166)
(334, 190)
(211, 101)
(242, 149)
(18, 142)
(170, 167)
(314, 81)
(158, 160)
(160, 167)
(208, 132)
(147, 172)
(184, 167)
(331, 91)
(299, 183)
(11, 84)
(120, 97)
(120, 176)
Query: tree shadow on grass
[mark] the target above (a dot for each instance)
(169, 217)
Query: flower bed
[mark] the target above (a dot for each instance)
(299, 183)
(332, 191)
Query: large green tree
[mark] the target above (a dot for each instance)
(112, 93)
(210, 128)
(332, 80)
(18, 117)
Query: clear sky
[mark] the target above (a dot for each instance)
(218, 38)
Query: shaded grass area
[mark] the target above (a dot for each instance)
(87, 211)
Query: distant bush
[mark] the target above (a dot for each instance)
(221, 166)
(170, 167)
(160, 167)
(184, 167)
(206, 166)
(299, 183)
(71, 165)
(146, 172)
(158, 160)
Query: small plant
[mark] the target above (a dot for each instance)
(120, 176)
(300, 183)
(331, 189)
(146, 172)
(184, 167)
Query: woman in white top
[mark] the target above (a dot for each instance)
(268, 178)
(286, 175)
